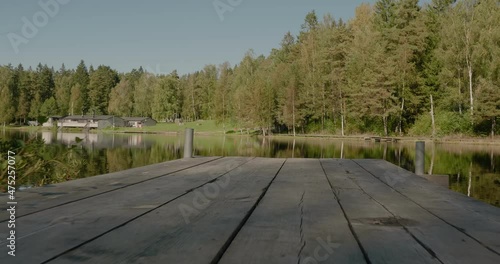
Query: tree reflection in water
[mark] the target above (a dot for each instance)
(48, 157)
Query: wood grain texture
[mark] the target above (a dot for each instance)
(474, 218)
(298, 221)
(70, 225)
(383, 238)
(167, 235)
(254, 210)
(48, 196)
(437, 235)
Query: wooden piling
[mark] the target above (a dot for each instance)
(420, 157)
(188, 143)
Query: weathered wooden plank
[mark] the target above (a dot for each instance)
(298, 221)
(38, 199)
(446, 242)
(68, 226)
(397, 176)
(188, 217)
(478, 220)
(191, 229)
(382, 237)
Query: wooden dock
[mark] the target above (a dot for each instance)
(382, 139)
(252, 210)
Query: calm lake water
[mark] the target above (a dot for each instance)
(472, 169)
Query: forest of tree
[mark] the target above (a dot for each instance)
(395, 68)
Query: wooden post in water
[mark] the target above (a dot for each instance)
(188, 143)
(419, 157)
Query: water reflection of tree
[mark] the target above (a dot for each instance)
(119, 159)
(55, 163)
(38, 164)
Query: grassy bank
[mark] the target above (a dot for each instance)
(209, 127)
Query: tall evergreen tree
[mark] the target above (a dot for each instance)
(101, 82)
(81, 77)
(25, 82)
(7, 107)
(369, 73)
(62, 93)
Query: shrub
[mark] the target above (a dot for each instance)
(447, 123)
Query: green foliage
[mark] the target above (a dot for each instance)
(49, 107)
(166, 98)
(121, 99)
(143, 95)
(39, 164)
(82, 79)
(7, 107)
(62, 94)
(101, 82)
(447, 123)
(374, 74)
(318, 128)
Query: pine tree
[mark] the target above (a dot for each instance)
(428, 63)
(81, 77)
(488, 71)
(101, 82)
(334, 42)
(7, 107)
(62, 93)
(369, 73)
(25, 84)
(312, 95)
(286, 81)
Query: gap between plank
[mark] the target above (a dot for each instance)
(226, 245)
(112, 190)
(142, 214)
(461, 230)
(422, 244)
(363, 251)
(302, 241)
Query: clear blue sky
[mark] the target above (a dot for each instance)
(160, 35)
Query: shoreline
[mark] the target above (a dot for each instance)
(450, 139)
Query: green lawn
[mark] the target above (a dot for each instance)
(200, 126)
(207, 126)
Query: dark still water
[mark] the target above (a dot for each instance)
(471, 169)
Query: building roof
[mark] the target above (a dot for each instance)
(89, 117)
(137, 118)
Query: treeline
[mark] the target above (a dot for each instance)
(395, 68)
